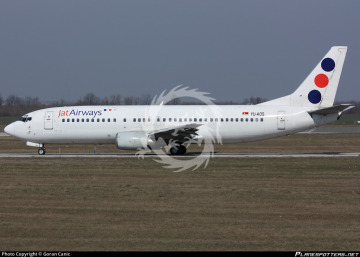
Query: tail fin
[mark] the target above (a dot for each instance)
(319, 88)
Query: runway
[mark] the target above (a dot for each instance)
(190, 155)
(321, 130)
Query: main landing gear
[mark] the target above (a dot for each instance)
(178, 150)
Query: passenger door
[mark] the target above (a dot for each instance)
(281, 120)
(48, 123)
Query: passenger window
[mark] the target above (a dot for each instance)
(231, 119)
(144, 120)
(169, 119)
(87, 120)
(200, 119)
(103, 120)
(109, 120)
(139, 119)
(205, 119)
(251, 119)
(134, 120)
(246, 119)
(195, 119)
(164, 119)
(190, 119)
(98, 120)
(124, 119)
(92, 120)
(77, 120)
(175, 119)
(73, 120)
(216, 120)
(82, 120)
(180, 119)
(261, 119)
(68, 120)
(114, 120)
(237, 119)
(63, 120)
(222, 119)
(241, 119)
(185, 119)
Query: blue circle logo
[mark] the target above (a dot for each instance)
(314, 97)
(328, 64)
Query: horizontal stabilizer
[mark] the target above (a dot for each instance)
(333, 109)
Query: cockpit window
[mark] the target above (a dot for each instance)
(25, 118)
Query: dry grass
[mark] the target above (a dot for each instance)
(233, 204)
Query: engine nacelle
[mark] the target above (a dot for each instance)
(132, 140)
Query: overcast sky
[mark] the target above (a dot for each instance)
(232, 49)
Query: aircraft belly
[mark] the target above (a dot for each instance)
(77, 136)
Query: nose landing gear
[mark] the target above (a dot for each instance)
(42, 151)
(41, 147)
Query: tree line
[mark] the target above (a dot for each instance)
(14, 105)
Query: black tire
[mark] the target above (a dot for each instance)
(174, 150)
(178, 150)
(182, 149)
(41, 151)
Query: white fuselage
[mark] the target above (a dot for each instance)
(101, 124)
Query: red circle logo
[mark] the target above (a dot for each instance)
(321, 80)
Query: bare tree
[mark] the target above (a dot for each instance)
(254, 100)
(31, 101)
(1, 100)
(13, 100)
(91, 99)
(115, 99)
(129, 100)
(174, 101)
(146, 99)
(105, 101)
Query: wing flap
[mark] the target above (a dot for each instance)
(180, 133)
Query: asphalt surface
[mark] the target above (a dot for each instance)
(190, 155)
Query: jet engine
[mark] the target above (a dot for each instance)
(133, 140)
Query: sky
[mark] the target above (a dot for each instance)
(232, 49)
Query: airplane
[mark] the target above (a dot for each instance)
(157, 126)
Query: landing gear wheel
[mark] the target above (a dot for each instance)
(182, 149)
(178, 150)
(41, 151)
(174, 150)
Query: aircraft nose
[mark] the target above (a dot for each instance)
(10, 129)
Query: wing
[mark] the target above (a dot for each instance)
(178, 134)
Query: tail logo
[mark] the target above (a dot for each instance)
(321, 80)
(328, 64)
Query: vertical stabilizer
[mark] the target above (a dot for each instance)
(319, 88)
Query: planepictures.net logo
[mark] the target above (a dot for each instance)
(326, 254)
